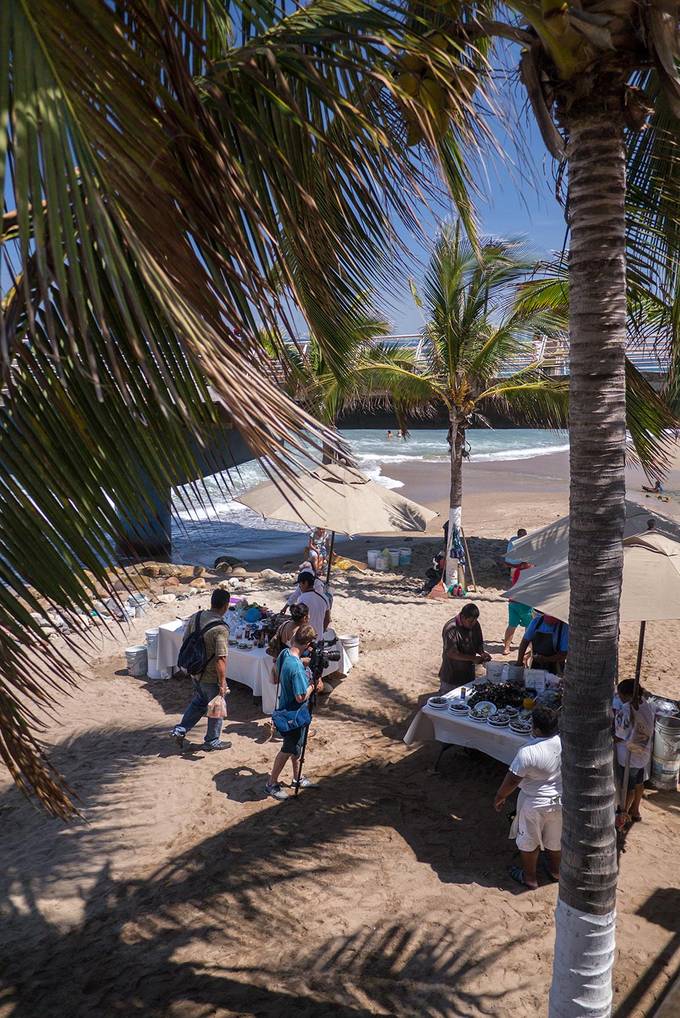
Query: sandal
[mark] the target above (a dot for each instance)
(517, 874)
(635, 818)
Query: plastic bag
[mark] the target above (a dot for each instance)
(217, 708)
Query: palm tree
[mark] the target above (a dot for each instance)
(477, 350)
(602, 79)
(169, 170)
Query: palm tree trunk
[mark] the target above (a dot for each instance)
(456, 445)
(585, 917)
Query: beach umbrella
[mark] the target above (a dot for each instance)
(650, 591)
(340, 499)
(551, 543)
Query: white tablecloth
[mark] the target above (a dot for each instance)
(431, 724)
(251, 667)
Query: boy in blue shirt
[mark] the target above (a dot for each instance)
(294, 689)
(549, 641)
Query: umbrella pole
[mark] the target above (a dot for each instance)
(469, 560)
(330, 558)
(634, 704)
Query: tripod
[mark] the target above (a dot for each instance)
(312, 705)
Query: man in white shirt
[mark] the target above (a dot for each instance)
(634, 735)
(318, 607)
(537, 772)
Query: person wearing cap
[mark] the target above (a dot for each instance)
(318, 606)
(548, 638)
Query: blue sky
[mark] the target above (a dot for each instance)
(518, 201)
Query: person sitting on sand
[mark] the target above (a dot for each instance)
(294, 689)
(317, 550)
(537, 772)
(463, 648)
(656, 490)
(213, 680)
(633, 735)
(548, 638)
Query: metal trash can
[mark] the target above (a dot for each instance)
(666, 755)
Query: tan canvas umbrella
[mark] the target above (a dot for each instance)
(339, 499)
(651, 582)
(650, 592)
(550, 543)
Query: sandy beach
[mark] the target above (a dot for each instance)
(184, 893)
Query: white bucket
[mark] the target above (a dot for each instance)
(394, 554)
(404, 556)
(351, 647)
(139, 603)
(666, 758)
(136, 661)
(371, 558)
(152, 642)
(381, 563)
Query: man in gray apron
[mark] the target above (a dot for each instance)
(548, 638)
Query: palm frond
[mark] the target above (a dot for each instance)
(170, 176)
(529, 396)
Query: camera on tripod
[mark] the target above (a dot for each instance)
(320, 658)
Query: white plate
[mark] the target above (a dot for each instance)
(438, 702)
(492, 708)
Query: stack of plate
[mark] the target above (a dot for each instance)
(458, 707)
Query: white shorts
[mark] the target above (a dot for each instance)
(538, 827)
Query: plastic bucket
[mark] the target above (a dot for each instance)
(351, 647)
(494, 670)
(404, 556)
(372, 558)
(136, 660)
(152, 642)
(139, 603)
(381, 564)
(666, 758)
(394, 554)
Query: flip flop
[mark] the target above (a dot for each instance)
(517, 874)
(636, 818)
(546, 870)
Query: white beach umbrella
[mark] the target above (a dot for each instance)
(550, 543)
(340, 499)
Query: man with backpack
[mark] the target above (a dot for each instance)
(203, 655)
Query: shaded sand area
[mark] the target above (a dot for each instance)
(184, 893)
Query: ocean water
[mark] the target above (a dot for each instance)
(220, 525)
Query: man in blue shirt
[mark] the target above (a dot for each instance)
(549, 642)
(294, 689)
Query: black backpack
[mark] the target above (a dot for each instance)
(192, 655)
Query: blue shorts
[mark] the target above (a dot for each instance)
(519, 614)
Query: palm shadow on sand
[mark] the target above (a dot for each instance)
(167, 945)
